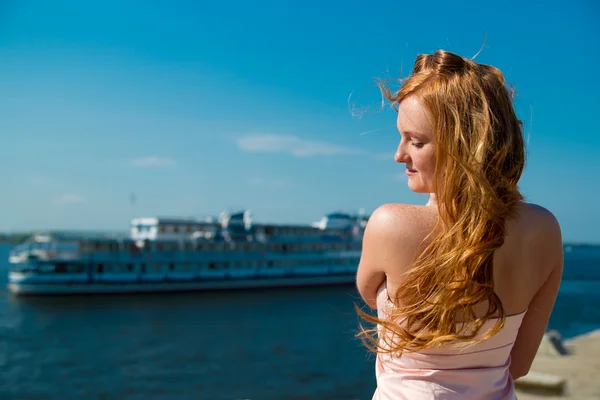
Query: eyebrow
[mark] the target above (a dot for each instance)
(413, 133)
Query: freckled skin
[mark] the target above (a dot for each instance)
(416, 147)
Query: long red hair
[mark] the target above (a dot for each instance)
(480, 157)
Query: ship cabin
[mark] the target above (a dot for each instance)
(157, 229)
(179, 248)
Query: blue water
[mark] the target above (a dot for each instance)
(259, 344)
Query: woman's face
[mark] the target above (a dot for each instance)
(416, 148)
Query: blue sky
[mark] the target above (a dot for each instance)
(200, 107)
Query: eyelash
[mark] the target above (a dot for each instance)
(418, 145)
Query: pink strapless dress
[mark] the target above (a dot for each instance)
(477, 372)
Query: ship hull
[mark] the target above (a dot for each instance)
(48, 289)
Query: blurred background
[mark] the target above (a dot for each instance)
(119, 109)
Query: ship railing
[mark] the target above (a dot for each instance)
(43, 254)
(66, 255)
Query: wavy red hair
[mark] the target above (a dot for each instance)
(480, 157)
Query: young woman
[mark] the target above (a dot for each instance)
(463, 286)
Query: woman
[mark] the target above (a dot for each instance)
(463, 286)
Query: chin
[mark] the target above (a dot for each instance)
(419, 187)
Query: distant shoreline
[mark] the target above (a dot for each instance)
(16, 238)
(20, 237)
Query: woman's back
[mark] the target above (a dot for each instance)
(520, 265)
(484, 370)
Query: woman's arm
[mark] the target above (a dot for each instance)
(383, 249)
(535, 322)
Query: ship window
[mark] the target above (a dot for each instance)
(99, 268)
(75, 268)
(175, 229)
(172, 267)
(212, 265)
(143, 268)
(238, 264)
(60, 267)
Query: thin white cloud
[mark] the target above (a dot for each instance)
(371, 131)
(290, 144)
(70, 198)
(152, 161)
(257, 181)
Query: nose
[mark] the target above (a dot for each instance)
(401, 155)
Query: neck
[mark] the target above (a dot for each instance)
(432, 200)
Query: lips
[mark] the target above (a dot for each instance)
(411, 171)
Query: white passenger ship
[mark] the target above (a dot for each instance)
(174, 254)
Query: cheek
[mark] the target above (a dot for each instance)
(427, 162)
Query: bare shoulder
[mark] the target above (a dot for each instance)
(401, 226)
(400, 219)
(541, 225)
(539, 234)
(531, 210)
(383, 249)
